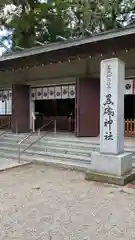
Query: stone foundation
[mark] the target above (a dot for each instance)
(114, 169)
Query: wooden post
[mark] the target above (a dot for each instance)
(55, 127)
(16, 126)
(131, 127)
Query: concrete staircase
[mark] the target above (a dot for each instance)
(61, 150)
(65, 151)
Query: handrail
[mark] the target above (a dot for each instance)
(31, 144)
(25, 138)
(38, 139)
(45, 125)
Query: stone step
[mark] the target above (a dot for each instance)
(13, 144)
(76, 165)
(48, 144)
(81, 166)
(39, 158)
(36, 154)
(71, 144)
(60, 147)
(54, 143)
(60, 140)
(77, 152)
(70, 138)
(53, 139)
(17, 139)
(52, 136)
(8, 163)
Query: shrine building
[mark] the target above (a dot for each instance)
(56, 87)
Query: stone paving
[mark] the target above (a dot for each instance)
(6, 164)
(38, 202)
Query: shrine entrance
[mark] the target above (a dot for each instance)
(55, 105)
(61, 110)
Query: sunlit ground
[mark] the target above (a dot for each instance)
(47, 203)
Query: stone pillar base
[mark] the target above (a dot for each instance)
(114, 169)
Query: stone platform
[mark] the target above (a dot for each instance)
(110, 168)
(7, 164)
(98, 177)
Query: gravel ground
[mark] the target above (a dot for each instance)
(45, 203)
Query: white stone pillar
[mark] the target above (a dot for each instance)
(112, 106)
(111, 164)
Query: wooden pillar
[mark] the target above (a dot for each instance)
(88, 107)
(20, 109)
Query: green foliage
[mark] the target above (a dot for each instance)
(35, 20)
